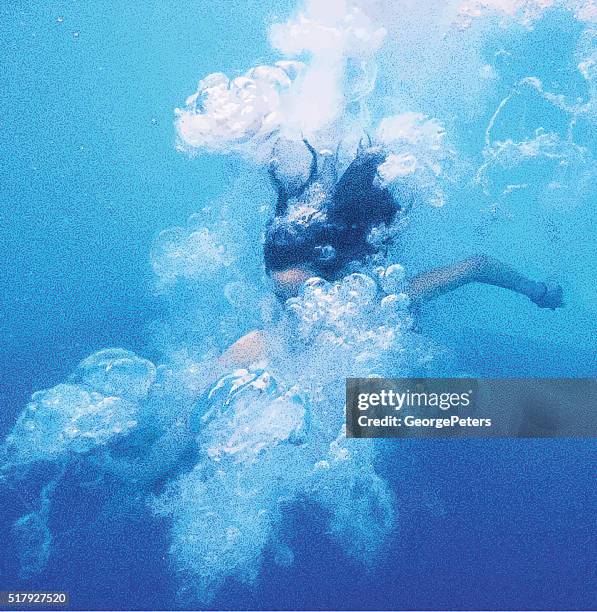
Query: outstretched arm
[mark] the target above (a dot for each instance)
(482, 269)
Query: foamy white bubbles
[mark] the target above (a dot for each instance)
(100, 402)
(290, 98)
(228, 510)
(391, 278)
(194, 252)
(396, 302)
(358, 320)
(523, 11)
(266, 445)
(397, 166)
(414, 129)
(417, 153)
(333, 27)
(236, 114)
(250, 401)
(336, 35)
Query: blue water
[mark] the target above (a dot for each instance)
(90, 176)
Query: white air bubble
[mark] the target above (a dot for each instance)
(192, 253)
(116, 372)
(100, 402)
(359, 288)
(392, 278)
(400, 301)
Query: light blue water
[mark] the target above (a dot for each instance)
(90, 177)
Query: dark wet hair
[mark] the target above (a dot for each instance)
(336, 230)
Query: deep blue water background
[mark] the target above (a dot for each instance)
(90, 176)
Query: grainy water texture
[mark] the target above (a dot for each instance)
(487, 112)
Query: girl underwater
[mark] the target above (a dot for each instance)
(322, 229)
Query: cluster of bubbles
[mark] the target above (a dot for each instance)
(267, 446)
(215, 254)
(98, 406)
(339, 27)
(561, 152)
(99, 402)
(266, 413)
(272, 435)
(229, 513)
(523, 11)
(417, 154)
(264, 438)
(237, 114)
(290, 99)
(194, 252)
(361, 325)
(342, 313)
